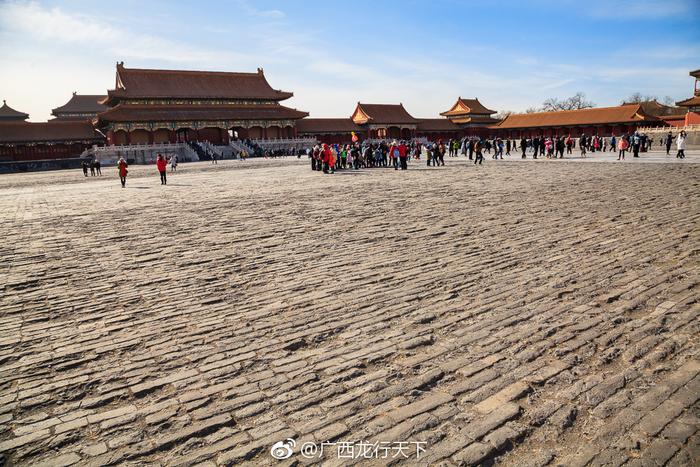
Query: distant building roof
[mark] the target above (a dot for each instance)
(692, 102)
(56, 131)
(475, 119)
(631, 113)
(467, 106)
(81, 104)
(436, 124)
(7, 113)
(326, 125)
(656, 109)
(185, 112)
(145, 83)
(382, 114)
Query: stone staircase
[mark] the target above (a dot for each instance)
(239, 146)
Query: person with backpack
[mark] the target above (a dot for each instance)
(478, 146)
(636, 142)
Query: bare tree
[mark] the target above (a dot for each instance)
(638, 97)
(668, 100)
(552, 104)
(576, 102)
(532, 110)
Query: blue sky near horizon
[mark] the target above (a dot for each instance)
(511, 54)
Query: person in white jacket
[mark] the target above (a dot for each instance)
(680, 144)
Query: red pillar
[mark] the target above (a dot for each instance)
(264, 132)
(150, 137)
(128, 137)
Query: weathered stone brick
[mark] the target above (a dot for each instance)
(430, 401)
(495, 418)
(473, 454)
(512, 392)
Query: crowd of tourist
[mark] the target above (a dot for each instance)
(329, 158)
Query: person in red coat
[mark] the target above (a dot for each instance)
(122, 165)
(403, 154)
(162, 165)
(327, 159)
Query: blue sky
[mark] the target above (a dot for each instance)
(510, 54)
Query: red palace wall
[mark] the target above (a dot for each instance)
(41, 151)
(692, 118)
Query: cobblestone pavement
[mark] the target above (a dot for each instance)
(516, 313)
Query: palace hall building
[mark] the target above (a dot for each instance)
(470, 114)
(30, 141)
(384, 120)
(155, 106)
(80, 107)
(8, 114)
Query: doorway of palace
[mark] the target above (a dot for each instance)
(394, 132)
(183, 135)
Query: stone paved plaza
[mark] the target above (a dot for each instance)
(517, 313)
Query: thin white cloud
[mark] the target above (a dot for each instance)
(252, 11)
(558, 84)
(42, 47)
(55, 26)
